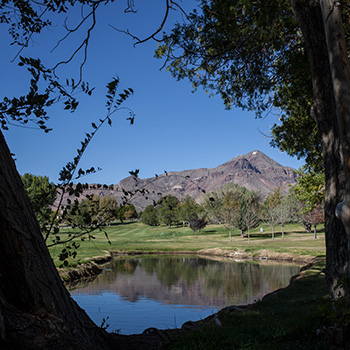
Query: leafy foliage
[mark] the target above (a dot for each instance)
(310, 188)
(234, 207)
(166, 209)
(149, 216)
(189, 209)
(42, 194)
(196, 223)
(44, 90)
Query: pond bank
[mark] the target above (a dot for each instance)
(94, 265)
(85, 270)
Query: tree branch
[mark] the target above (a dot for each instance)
(84, 44)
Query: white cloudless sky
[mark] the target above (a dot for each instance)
(174, 128)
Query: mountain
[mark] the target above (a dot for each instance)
(254, 170)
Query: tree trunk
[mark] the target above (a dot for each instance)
(309, 16)
(340, 68)
(36, 311)
(315, 232)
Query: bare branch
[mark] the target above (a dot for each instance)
(70, 31)
(179, 7)
(169, 6)
(84, 44)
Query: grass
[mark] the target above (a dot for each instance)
(135, 236)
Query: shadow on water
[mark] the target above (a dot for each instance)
(165, 291)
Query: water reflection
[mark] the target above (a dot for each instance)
(177, 282)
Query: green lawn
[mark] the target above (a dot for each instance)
(135, 236)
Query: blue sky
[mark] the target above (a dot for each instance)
(174, 128)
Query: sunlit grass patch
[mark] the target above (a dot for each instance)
(135, 236)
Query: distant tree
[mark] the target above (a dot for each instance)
(230, 211)
(78, 215)
(283, 213)
(120, 213)
(196, 223)
(93, 204)
(188, 209)
(251, 215)
(130, 212)
(310, 191)
(271, 209)
(108, 208)
(212, 204)
(166, 208)
(310, 188)
(229, 206)
(42, 194)
(150, 216)
(316, 217)
(92, 211)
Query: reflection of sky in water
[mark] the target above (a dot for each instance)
(135, 317)
(164, 292)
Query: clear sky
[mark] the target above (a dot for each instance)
(174, 128)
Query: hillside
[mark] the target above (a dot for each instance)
(254, 170)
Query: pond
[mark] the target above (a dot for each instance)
(135, 293)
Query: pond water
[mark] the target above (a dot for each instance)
(135, 293)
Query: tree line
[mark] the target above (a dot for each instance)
(236, 207)
(232, 206)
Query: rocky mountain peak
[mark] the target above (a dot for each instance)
(254, 170)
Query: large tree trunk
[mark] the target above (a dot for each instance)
(36, 311)
(340, 68)
(309, 16)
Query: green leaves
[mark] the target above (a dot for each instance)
(310, 188)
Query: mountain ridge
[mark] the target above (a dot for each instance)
(254, 170)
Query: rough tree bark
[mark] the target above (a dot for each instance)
(309, 16)
(340, 68)
(36, 311)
